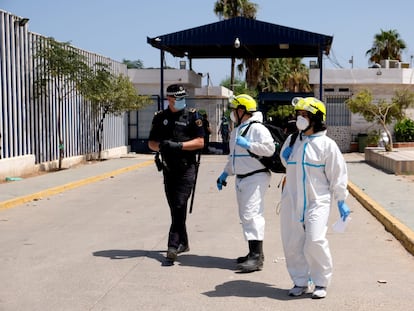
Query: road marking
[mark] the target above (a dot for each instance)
(59, 189)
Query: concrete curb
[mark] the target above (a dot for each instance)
(55, 190)
(400, 231)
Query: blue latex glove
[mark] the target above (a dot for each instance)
(221, 181)
(343, 210)
(286, 153)
(243, 142)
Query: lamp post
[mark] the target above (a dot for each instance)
(233, 60)
(21, 21)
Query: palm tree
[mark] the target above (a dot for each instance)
(226, 9)
(285, 74)
(386, 45)
(269, 81)
(270, 75)
(256, 68)
(298, 77)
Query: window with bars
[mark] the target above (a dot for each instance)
(337, 112)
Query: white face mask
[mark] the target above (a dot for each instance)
(233, 117)
(301, 123)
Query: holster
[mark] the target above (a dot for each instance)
(158, 162)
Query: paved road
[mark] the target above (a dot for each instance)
(389, 197)
(102, 246)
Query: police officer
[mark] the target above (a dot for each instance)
(177, 132)
(224, 131)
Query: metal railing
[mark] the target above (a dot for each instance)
(28, 124)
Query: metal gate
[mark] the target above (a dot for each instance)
(338, 120)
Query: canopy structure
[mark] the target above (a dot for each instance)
(243, 38)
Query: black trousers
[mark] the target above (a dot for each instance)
(178, 186)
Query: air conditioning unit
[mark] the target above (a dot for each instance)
(390, 63)
(313, 64)
(394, 63)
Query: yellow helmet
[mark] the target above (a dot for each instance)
(243, 101)
(311, 104)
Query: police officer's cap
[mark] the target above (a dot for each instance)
(176, 90)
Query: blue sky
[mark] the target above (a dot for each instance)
(119, 29)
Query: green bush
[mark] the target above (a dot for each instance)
(373, 137)
(281, 111)
(404, 130)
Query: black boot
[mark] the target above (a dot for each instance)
(244, 258)
(254, 260)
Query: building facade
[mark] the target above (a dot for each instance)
(212, 100)
(341, 84)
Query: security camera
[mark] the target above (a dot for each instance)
(237, 43)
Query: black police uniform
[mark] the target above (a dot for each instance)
(179, 165)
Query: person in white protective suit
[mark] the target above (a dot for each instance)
(252, 178)
(316, 173)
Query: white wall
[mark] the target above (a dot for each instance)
(382, 82)
(147, 81)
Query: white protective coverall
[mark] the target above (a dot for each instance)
(250, 191)
(316, 173)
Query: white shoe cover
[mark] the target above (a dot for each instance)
(319, 292)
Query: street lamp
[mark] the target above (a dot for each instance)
(22, 21)
(236, 45)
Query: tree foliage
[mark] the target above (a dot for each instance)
(404, 130)
(133, 64)
(382, 112)
(63, 71)
(281, 112)
(239, 87)
(264, 75)
(60, 70)
(255, 69)
(386, 45)
(59, 66)
(285, 74)
(110, 94)
(225, 9)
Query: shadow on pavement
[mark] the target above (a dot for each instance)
(159, 255)
(243, 288)
(126, 254)
(207, 262)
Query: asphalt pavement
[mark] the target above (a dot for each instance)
(93, 237)
(389, 197)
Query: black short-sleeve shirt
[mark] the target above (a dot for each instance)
(178, 126)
